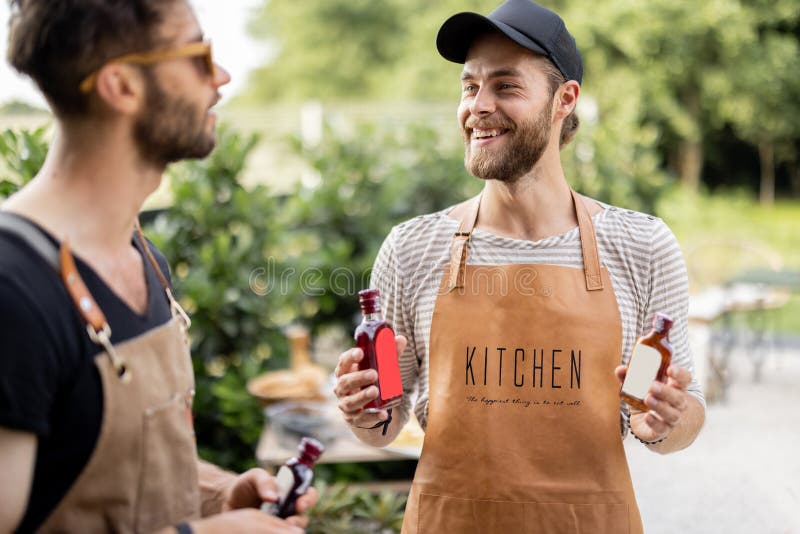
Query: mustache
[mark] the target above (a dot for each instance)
(487, 124)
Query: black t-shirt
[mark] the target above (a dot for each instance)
(49, 384)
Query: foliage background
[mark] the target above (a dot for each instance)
(689, 110)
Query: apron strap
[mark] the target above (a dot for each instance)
(62, 261)
(175, 308)
(460, 245)
(30, 234)
(591, 258)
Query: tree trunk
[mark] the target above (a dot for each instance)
(794, 177)
(690, 149)
(690, 163)
(766, 153)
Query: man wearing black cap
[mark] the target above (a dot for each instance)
(519, 309)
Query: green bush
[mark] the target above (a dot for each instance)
(23, 153)
(345, 510)
(368, 181)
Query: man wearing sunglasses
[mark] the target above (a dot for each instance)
(96, 379)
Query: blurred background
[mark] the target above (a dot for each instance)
(340, 123)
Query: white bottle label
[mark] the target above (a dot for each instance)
(642, 371)
(285, 480)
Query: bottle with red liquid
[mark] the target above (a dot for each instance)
(294, 478)
(649, 362)
(375, 337)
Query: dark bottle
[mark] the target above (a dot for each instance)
(375, 337)
(294, 478)
(649, 361)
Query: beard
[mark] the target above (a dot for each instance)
(524, 146)
(171, 128)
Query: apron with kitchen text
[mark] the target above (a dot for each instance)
(523, 432)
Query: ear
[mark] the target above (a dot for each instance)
(121, 87)
(566, 99)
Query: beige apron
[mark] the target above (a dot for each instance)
(523, 431)
(142, 475)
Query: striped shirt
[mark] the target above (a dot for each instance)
(639, 251)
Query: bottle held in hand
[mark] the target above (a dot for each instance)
(375, 337)
(649, 362)
(294, 478)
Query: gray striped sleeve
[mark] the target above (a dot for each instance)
(669, 294)
(386, 278)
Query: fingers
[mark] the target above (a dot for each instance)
(252, 488)
(265, 484)
(348, 362)
(667, 402)
(307, 501)
(352, 406)
(678, 377)
(303, 504)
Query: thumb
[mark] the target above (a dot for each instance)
(265, 485)
(621, 371)
(401, 342)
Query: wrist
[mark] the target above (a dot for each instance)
(380, 424)
(640, 440)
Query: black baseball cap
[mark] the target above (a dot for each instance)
(527, 24)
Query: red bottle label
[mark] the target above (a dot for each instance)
(391, 384)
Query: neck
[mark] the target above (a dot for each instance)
(535, 206)
(90, 189)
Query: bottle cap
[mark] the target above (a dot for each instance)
(661, 323)
(370, 300)
(311, 448)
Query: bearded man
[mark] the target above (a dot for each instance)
(516, 382)
(96, 380)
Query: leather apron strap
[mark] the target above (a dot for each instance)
(460, 245)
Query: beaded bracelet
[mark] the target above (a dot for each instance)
(640, 440)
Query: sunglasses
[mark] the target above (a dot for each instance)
(200, 49)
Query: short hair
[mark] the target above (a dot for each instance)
(555, 79)
(60, 42)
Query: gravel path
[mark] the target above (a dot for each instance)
(742, 475)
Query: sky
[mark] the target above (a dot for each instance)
(222, 20)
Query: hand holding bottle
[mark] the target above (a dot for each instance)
(667, 403)
(355, 388)
(368, 377)
(255, 487)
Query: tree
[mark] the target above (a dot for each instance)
(695, 72)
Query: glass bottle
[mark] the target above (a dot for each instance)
(375, 337)
(294, 478)
(649, 361)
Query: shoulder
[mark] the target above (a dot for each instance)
(632, 231)
(423, 230)
(27, 276)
